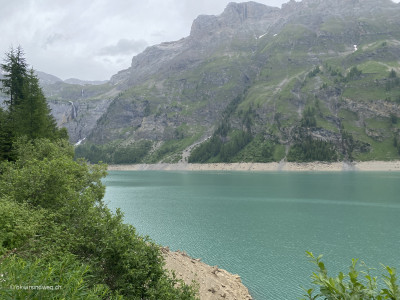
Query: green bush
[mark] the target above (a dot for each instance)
(46, 176)
(52, 207)
(18, 224)
(351, 286)
(66, 278)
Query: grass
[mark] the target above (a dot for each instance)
(334, 25)
(375, 67)
(380, 151)
(279, 153)
(365, 92)
(321, 122)
(378, 123)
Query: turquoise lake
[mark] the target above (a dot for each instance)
(259, 225)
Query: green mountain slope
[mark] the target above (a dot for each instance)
(315, 80)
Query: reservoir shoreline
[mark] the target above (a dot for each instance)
(213, 282)
(373, 166)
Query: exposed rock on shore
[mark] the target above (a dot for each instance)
(214, 283)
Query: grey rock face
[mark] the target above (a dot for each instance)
(79, 117)
(207, 34)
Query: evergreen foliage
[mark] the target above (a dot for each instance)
(392, 81)
(27, 112)
(225, 143)
(353, 74)
(15, 71)
(237, 143)
(309, 149)
(393, 119)
(396, 144)
(308, 119)
(5, 136)
(392, 74)
(114, 154)
(218, 151)
(205, 151)
(314, 72)
(260, 149)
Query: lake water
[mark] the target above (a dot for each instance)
(259, 225)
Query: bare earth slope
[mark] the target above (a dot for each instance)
(214, 283)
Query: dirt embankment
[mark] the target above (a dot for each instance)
(214, 283)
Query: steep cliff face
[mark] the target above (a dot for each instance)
(189, 81)
(79, 117)
(265, 82)
(209, 34)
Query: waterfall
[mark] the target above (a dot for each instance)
(80, 142)
(74, 112)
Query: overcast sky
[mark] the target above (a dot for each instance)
(95, 39)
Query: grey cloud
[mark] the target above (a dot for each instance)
(53, 38)
(10, 8)
(124, 47)
(158, 34)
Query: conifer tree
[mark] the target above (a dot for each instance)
(33, 113)
(26, 110)
(15, 69)
(5, 136)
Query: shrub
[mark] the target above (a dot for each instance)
(65, 278)
(52, 207)
(351, 286)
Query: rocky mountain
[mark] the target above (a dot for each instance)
(313, 80)
(47, 79)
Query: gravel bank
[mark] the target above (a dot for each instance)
(215, 283)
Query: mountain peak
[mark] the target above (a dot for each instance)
(234, 16)
(246, 10)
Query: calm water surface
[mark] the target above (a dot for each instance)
(259, 225)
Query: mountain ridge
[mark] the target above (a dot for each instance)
(265, 83)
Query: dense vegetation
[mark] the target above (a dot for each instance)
(309, 149)
(306, 148)
(225, 143)
(58, 240)
(27, 112)
(351, 286)
(114, 153)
